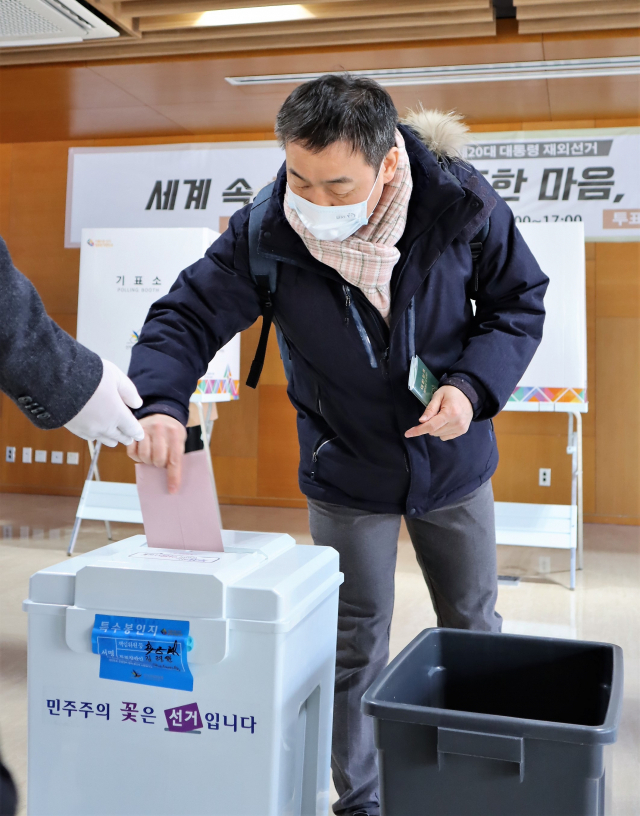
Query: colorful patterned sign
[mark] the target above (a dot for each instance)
(219, 387)
(524, 394)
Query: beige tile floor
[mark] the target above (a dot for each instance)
(605, 606)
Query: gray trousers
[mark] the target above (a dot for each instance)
(456, 550)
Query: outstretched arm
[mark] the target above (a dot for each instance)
(209, 303)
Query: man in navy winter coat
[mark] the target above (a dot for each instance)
(369, 451)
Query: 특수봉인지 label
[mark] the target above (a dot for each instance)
(146, 651)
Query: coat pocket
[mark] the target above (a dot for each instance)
(333, 465)
(316, 454)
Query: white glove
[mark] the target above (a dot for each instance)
(106, 417)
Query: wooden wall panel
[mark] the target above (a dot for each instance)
(5, 186)
(521, 455)
(115, 465)
(254, 441)
(236, 477)
(617, 280)
(16, 477)
(588, 420)
(617, 428)
(617, 393)
(578, 98)
(188, 93)
(589, 477)
(36, 227)
(526, 443)
(273, 371)
(277, 445)
(235, 432)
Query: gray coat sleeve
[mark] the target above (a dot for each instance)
(43, 370)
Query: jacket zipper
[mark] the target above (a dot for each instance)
(382, 327)
(366, 340)
(347, 304)
(385, 362)
(319, 448)
(314, 456)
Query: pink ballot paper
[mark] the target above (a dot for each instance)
(187, 520)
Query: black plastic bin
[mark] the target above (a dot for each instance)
(479, 724)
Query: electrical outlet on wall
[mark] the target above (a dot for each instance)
(10, 455)
(41, 456)
(544, 564)
(27, 454)
(57, 457)
(73, 458)
(544, 477)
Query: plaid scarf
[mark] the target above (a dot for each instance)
(366, 259)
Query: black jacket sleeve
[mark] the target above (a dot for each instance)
(507, 326)
(209, 303)
(43, 370)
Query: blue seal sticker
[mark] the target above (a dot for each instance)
(147, 651)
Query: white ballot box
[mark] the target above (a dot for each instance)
(183, 683)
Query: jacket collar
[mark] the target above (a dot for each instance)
(435, 192)
(434, 188)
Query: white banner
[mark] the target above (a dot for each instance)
(546, 176)
(187, 185)
(591, 176)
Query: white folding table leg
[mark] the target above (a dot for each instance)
(206, 425)
(574, 448)
(573, 569)
(74, 535)
(93, 468)
(580, 492)
(96, 476)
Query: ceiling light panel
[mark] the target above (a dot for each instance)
(450, 74)
(259, 14)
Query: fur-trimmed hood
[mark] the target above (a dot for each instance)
(445, 134)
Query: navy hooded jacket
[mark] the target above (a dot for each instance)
(350, 371)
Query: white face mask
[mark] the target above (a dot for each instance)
(331, 223)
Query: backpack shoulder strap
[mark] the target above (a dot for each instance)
(477, 242)
(264, 273)
(476, 245)
(260, 267)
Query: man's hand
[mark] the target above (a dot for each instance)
(162, 446)
(447, 416)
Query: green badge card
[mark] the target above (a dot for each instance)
(422, 382)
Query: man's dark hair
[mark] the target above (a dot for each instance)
(340, 107)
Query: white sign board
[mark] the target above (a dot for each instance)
(124, 271)
(557, 375)
(550, 176)
(192, 185)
